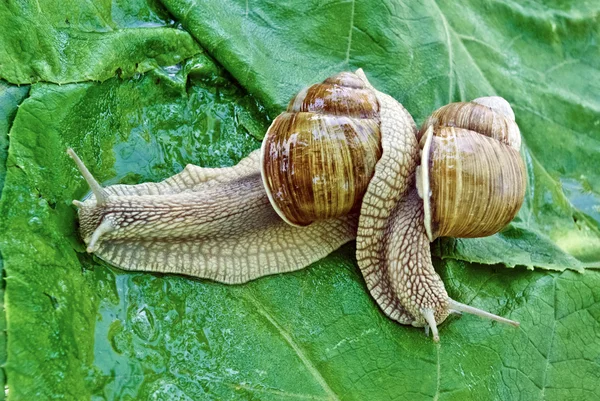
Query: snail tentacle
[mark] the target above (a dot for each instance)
(97, 190)
(457, 307)
(106, 226)
(429, 315)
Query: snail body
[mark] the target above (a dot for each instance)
(340, 163)
(210, 223)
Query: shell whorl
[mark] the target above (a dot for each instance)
(490, 116)
(319, 156)
(472, 178)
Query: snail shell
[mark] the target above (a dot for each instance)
(318, 157)
(474, 181)
(491, 116)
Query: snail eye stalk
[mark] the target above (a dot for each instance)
(96, 188)
(459, 307)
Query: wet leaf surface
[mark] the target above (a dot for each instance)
(80, 329)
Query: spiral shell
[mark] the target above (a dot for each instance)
(318, 157)
(491, 116)
(472, 178)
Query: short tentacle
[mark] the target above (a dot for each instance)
(429, 316)
(107, 226)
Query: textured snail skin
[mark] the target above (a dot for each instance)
(392, 249)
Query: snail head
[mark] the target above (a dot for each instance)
(92, 211)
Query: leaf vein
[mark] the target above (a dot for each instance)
(347, 59)
(299, 352)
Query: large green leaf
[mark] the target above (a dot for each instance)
(10, 97)
(79, 329)
(72, 41)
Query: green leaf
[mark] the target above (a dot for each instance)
(222, 342)
(74, 41)
(10, 97)
(79, 329)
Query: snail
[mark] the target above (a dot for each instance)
(341, 163)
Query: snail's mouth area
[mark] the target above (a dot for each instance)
(439, 317)
(90, 217)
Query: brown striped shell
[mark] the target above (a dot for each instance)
(319, 155)
(472, 178)
(491, 116)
